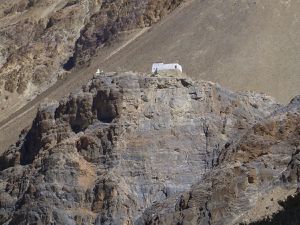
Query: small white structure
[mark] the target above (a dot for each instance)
(156, 67)
(98, 72)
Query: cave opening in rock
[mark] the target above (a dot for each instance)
(76, 128)
(70, 64)
(106, 118)
(50, 23)
(106, 113)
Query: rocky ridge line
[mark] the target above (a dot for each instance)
(136, 149)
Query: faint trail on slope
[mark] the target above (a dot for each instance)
(11, 126)
(69, 83)
(12, 120)
(126, 43)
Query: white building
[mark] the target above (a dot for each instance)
(98, 72)
(156, 67)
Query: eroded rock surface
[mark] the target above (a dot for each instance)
(137, 149)
(41, 40)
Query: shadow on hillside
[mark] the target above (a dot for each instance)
(290, 215)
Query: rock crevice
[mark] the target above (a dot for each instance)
(136, 149)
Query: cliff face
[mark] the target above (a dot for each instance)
(41, 40)
(134, 149)
(252, 175)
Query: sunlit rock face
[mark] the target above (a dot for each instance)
(138, 149)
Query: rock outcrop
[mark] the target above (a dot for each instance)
(41, 41)
(137, 149)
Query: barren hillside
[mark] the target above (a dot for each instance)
(135, 148)
(42, 40)
(242, 44)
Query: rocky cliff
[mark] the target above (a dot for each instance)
(41, 40)
(139, 149)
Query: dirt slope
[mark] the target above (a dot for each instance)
(242, 44)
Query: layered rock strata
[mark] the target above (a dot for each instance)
(139, 149)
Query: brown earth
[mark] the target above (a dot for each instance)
(241, 44)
